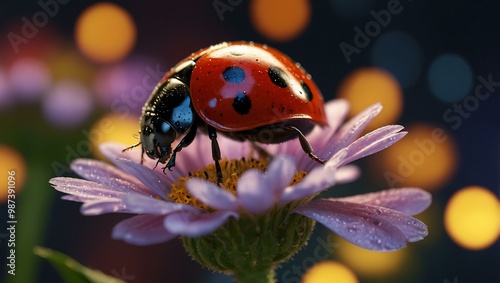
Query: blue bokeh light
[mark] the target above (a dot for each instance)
(400, 54)
(450, 78)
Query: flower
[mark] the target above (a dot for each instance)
(257, 191)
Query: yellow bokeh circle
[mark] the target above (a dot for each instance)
(68, 63)
(280, 20)
(371, 263)
(113, 128)
(329, 271)
(472, 218)
(426, 157)
(367, 86)
(12, 171)
(105, 32)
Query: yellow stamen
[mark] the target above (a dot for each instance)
(231, 171)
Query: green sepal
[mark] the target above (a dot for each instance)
(250, 248)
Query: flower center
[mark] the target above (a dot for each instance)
(231, 171)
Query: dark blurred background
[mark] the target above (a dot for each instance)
(74, 74)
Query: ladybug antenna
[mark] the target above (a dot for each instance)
(136, 145)
(132, 146)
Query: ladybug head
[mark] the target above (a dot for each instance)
(167, 115)
(157, 137)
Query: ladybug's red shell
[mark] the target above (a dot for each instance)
(241, 86)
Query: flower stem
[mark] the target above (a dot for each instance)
(257, 276)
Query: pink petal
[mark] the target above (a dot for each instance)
(409, 201)
(101, 206)
(232, 149)
(370, 227)
(373, 142)
(195, 224)
(279, 173)
(142, 230)
(199, 154)
(337, 159)
(319, 179)
(84, 188)
(212, 195)
(346, 174)
(193, 158)
(113, 151)
(76, 198)
(147, 176)
(349, 131)
(147, 205)
(257, 192)
(108, 175)
(336, 110)
(254, 193)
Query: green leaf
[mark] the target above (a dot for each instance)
(72, 271)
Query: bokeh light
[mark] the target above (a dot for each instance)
(400, 54)
(29, 78)
(369, 263)
(69, 64)
(68, 104)
(472, 218)
(367, 86)
(12, 160)
(450, 78)
(426, 157)
(125, 87)
(105, 32)
(113, 128)
(5, 97)
(329, 271)
(23, 41)
(280, 20)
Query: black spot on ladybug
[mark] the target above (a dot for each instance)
(233, 75)
(278, 76)
(242, 103)
(307, 91)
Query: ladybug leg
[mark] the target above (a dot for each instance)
(212, 134)
(306, 147)
(185, 141)
(135, 145)
(262, 152)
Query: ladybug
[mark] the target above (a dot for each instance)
(243, 90)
